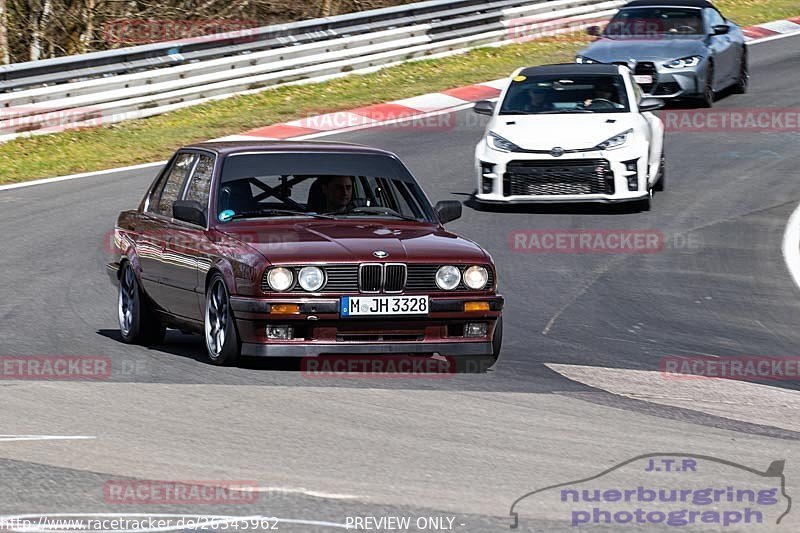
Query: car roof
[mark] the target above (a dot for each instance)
(669, 3)
(232, 147)
(571, 69)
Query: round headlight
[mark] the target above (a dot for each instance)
(311, 278)
(476, 277)
(448, 277)
(280, 279)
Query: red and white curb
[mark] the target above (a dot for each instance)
(446, 101)
(773, 29)
(375, 115)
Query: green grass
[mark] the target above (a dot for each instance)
(750, 12)
(155, 138)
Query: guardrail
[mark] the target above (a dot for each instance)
(111, 86)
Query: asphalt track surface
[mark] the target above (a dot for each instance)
(463, 446)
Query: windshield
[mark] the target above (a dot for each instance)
(551, 94)
(648, 21)
(319, 185)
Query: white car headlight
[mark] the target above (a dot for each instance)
(280, 279)
(311, 278)
(617, 141)
(585, 60)
(499, 143)
(476, 277)
(684, 62)
(448, 277)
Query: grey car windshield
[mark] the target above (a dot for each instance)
(330, 185)
(645, 21)
(553, 94)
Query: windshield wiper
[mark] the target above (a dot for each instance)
(379, 211)
(279, 212)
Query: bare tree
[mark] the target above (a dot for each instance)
(38, 29)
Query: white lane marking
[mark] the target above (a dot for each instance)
(494, 83)
(304, 492)
(14, 438)
(791, 245)
(744, 401)
(50, 521)
(76, 176)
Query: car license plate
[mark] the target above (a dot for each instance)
(643, 78)
(383, 305)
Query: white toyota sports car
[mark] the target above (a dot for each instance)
(570, 133)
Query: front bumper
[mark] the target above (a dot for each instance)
(677, 83)
(319, 330)
(602, 176)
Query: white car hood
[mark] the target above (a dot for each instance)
(568, 131)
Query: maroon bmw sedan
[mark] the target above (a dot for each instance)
(301, 249)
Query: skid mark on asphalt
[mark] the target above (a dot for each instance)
(736, 400)
(596, 275)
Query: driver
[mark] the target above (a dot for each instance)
(601, 92)
(538, 101)
(338, 193)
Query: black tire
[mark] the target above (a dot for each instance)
(707, 99)
(219, 331)
(138, 324)
(480, 364)
(497, 340)
(662, 174)
(744, 75)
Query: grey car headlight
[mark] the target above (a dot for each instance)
(311, 278)
(499, 143)
(583, 60)
(280, 279)
(448, 277)
(684, 62)
(617, 141)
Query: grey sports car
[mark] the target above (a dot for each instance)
(675, 48)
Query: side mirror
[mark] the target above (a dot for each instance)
(484, 107)
(594, 31)
(189, 211)
(650, 104)
(448, 210)
(721, 29)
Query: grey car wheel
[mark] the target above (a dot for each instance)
(138, 323)
(222, 340)
(707, 100)
(744, 76)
